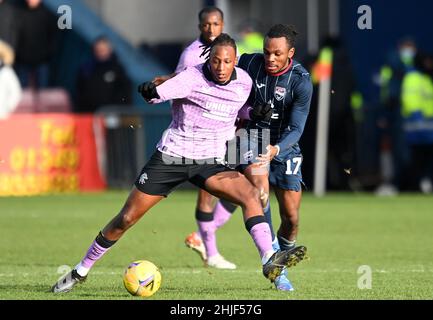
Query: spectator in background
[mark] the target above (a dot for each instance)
(417, 112)
(102, 80)
(36, 44)
(8, 23)
(393, 152)
(10, 89)
(251, 40)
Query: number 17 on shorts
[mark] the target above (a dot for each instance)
(293, 165)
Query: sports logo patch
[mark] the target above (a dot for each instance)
(143, 178)
(279, 93)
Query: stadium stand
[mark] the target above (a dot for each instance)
(54, 100)
(88, 25)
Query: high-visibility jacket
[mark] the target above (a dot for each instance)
(251, 43)
(417, 107)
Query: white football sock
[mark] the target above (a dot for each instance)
(82, 271)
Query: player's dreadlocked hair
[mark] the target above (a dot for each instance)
(283, 30)
(222, 40)
(207, 10)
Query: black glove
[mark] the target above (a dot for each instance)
(148, 90)
(261, 112)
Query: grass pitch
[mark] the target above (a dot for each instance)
(40, 236)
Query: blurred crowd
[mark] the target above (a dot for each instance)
(406, 120)
(29, 43)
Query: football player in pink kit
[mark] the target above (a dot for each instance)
(276, 74)
(206, 101)
(211, 24)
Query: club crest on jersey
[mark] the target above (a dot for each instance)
(279, 93)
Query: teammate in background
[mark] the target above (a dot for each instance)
(211, 24)
(207, 99)
(284, 86)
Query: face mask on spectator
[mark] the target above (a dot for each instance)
(407, 54)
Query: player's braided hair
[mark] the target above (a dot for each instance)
(222, 40)
(283, 30)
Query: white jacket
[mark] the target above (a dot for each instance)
(10, 91)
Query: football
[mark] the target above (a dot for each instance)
(142, 278)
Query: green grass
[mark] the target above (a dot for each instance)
(342, 232)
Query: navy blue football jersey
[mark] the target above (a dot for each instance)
(288, 93)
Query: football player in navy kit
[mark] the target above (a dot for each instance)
(282, 84)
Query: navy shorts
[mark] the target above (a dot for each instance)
(163, 173)
(284, 170)
(287, 174)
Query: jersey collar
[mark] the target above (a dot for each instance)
(203, 41)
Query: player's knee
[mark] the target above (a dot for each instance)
(251, 196)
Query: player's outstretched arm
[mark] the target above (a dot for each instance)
(177, 87)
(161, 79)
